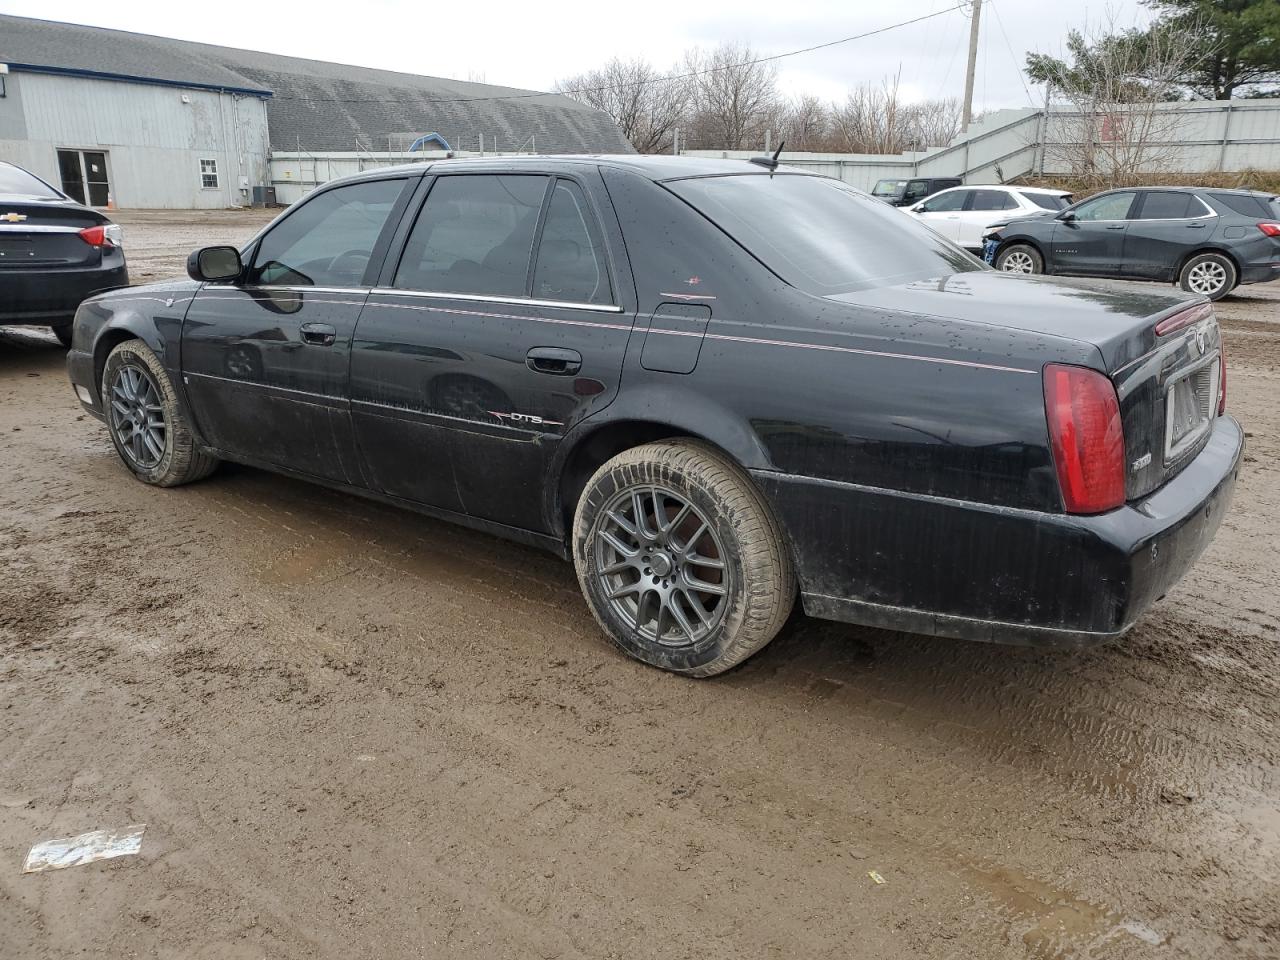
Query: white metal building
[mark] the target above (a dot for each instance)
(129, 120)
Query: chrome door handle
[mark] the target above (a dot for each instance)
(1116, 226)
(318, 334)
(556, 361)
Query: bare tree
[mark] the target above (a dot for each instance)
(734, 98)
(645, 104)
(804, 123)
(934, 123)
(1110, 119)
(871, 119)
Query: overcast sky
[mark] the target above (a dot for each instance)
(527, 44)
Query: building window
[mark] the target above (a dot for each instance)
(209, 174)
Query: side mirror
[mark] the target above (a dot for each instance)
(1066, 216)
(215, 263)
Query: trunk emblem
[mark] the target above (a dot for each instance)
(1141, 462)
(14, 217)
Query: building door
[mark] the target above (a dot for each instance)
(84, 176)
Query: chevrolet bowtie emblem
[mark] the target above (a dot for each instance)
(14, 217)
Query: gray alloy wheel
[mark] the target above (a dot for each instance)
(145, 422)
(680, 558)
(1208, 274)
(1020, 258)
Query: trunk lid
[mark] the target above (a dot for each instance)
(44, 235)
(1166, 383)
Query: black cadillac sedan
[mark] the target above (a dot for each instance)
(715, 386)
(1206, 240)
(54, 252)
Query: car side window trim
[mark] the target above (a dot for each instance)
(413, 210)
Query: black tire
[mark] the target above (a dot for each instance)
(178, 460)
(755, 586)
(1209, 274)
(63, 332)
(1020, 258)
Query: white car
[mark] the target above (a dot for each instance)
(962, 214)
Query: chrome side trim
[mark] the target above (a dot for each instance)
(481, 298)
(270, 387)
(286, 288)
(38, 228)
(503, 316)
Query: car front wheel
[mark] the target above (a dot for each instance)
(680, 558)
(1020, 258)
(147, 426)
(1208, 274)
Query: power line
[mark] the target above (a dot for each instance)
(640, 83)
(1013, 56)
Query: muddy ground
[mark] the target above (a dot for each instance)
(354, 732)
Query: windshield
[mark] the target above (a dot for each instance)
(820, 235)
(1049, 201)
(15, 181)
(888, 188)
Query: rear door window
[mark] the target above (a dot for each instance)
(474, 235)
(570, 265)
(992, 200)
(329, 239)
(1167, 205)
(1048, 201)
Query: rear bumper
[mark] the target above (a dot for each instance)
(51, 296)
(1260, 272)
(977, 572)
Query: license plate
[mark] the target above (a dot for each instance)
(1191, 402)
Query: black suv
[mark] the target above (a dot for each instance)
(715, 385)
(1206, 240)
(903, 193)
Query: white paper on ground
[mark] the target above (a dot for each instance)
(95, 845)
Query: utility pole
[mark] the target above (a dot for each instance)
(967, 115)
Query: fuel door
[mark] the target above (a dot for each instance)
(674, 337)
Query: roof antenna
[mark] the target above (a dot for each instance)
(769, 163)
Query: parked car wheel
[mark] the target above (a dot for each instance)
(147, 427)
(1209, 274)
(63, 333)
(680, 558)
(1020, 258)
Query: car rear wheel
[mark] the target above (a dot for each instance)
(63, 333)
(680, 558)
(1208, 274)
(147, 427)
(1020, 258)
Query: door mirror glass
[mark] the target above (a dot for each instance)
(214, 264)
(1066, 216)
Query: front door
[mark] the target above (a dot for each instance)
(941, 212)
(84, 176)
(984, 208)
(265, 360)
(1091, 242)
(494, 335)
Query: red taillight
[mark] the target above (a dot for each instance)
(94, 236)
(1184, 318)
(1222, 376)
(1269, 228)
(1087, 437)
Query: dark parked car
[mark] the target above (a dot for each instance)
(712, 385)
(1208, 241)
(903, 193)
(54, 252)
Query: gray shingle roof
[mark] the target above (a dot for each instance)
(317, 105)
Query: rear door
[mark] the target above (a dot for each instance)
(265, 360)
(984, 208)
(1166, 224)
(1091, 243)
(493, 335)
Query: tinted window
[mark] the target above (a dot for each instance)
(820, 235)
(328, 240)
(570, 263)
(942, 202)
(474, 235)
(918, 190)
(1112, 206)
(1169, 206)
(1048, 201)
(992, 200)
(1247, 204)
(888, 188)
(16, 181)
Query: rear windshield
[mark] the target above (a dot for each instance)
(888, 188)
(1249, 204)
(1049, 201)
(15, 181)
(820, 235)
